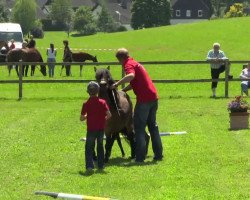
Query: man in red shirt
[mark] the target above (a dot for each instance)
(96, 111)
(146, 104)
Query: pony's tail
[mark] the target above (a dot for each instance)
(42, 67)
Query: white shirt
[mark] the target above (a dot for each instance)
(50, 53)
(213, 55)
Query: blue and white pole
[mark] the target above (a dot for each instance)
(70, 196)
(161, 134)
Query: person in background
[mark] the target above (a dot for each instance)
(12, 45)
(96, 111)
(245, 74)
(25, 67)
(216, 57)
(146, 104)
(51, 55)
(67, 56)
(32, 44)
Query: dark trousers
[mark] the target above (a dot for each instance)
(68, 67)
(145, 115)
(92, 137)
(215, 74)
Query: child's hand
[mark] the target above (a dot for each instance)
(83, 117)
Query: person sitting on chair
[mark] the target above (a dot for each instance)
(216, 56)
(245, 74)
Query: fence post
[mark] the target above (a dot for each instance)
(227, 65)
(20, 81)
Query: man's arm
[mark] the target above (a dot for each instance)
(108, 115)
(125, 79)
(127, 88)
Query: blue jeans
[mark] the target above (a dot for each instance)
(145, 115)
(51, 64)
(93, 136)
(245, 85)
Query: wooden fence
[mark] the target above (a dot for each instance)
(226, 79)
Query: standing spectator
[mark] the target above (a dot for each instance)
(25, 67)
(67, 56)
(215, 57)
(146, 104)
(12, 45)
(32, 44)
(245, 74)
(51, 54)
(96, 112)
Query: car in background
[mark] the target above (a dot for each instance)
(9, 31)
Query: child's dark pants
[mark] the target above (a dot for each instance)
(93, 136)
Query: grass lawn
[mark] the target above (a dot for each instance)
(40, 147)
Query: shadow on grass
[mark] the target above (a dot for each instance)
(127, 162)
(88, 174)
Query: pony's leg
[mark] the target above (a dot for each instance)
(32, 70)
(131, 138)
(118, 138)
(17, 72)
(108, 147)
(26, 70)
(9, 69)
(80, 70)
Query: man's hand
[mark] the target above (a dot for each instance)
(114, 86)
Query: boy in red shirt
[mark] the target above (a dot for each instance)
(96, 111)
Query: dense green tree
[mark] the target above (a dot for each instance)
(24, 13)
(3, 12)
(61, 12)
(105, 22)
(150, 13)
(84, 21)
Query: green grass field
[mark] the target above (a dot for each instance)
(40, 147)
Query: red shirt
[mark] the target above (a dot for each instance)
(12, 46)
(96, 110)
(142, 85)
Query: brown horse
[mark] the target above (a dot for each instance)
(80, 57)
(26, 55)
(121, 109)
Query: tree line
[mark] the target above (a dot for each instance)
(145, 14)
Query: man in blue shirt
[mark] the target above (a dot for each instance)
(216, 56)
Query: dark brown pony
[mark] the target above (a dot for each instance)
(26, 55)
(80, 57)
(121, 109)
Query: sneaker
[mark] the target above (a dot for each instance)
(90, 170)
(158, 158)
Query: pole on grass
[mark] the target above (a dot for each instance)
(162, 134)
(70, 196)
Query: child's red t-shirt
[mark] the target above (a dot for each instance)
(96, 110)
